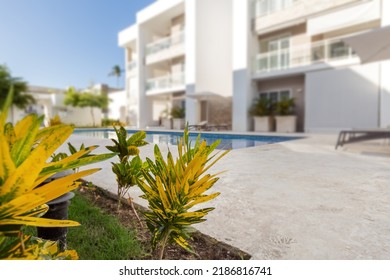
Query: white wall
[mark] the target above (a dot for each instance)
(385, 94)
(359, 14)
(117, 108)
(213, 46)
(81, 116)
(342, 98)
(243, 43)
(385, 12)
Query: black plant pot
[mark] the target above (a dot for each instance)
(58, 210)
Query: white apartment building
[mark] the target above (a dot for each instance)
(179, 53)
(216, 57)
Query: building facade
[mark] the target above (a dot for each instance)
(214, 58)
(179, 53)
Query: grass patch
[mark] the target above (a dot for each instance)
(100, 236)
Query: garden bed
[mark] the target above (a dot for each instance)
(206, 247)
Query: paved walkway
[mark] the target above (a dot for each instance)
(299, 199)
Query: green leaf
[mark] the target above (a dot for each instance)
(60, 166)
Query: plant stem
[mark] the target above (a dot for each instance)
(135, 211)
(119, 199)
(164, 244)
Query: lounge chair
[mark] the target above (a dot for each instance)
(199, 126)
(217, 127)
(352, 136)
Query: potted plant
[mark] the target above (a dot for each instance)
(286, 120)
(166, 121)
(178, 114)
(261, 111)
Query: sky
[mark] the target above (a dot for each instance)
(61, 43)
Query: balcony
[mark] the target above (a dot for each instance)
(131, 66)
(271, 15)
(266, 7)
(327, 51)
(165, 48)
(168, 83)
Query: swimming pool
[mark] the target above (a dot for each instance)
(228, 141)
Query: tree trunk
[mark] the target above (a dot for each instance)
(93, 117)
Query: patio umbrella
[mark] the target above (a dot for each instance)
(371, 46)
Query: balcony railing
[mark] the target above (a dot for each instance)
(165, 82)
(303, 55)
(131, 65)
(165, 43)
(266, 7)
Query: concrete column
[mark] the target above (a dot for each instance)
(191, 59)
(384, 72)
(144, 110)
(242, 62)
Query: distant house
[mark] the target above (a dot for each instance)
(50, 102)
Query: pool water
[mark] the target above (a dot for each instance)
(228, 141)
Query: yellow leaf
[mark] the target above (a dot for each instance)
(22, 180)
(189, 215)
(162, 193)
(40, 180)
(22, 127)
(39, 222)
(62, 185)
(72, 157)
(202, 188)
(7, 166)
(43, 194)
(202, 199)
(182, 243)
(21, 205)
(6, 106)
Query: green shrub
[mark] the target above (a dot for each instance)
(173, 187)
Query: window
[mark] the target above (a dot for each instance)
(276, 95)
(275, 53)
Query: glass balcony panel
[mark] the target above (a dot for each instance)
(131, 65)
(265, 7)
(317, 52)
(165, 43)
(338, 50)
(165, 82)
(274, 61)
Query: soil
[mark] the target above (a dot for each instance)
(206, 247)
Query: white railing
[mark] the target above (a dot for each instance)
(303, 55)
(165, 82)
(131, 65)
(262, 8)
(266, 7)
(165, 43)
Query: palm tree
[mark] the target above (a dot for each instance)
(21, 100)
(117, 72)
